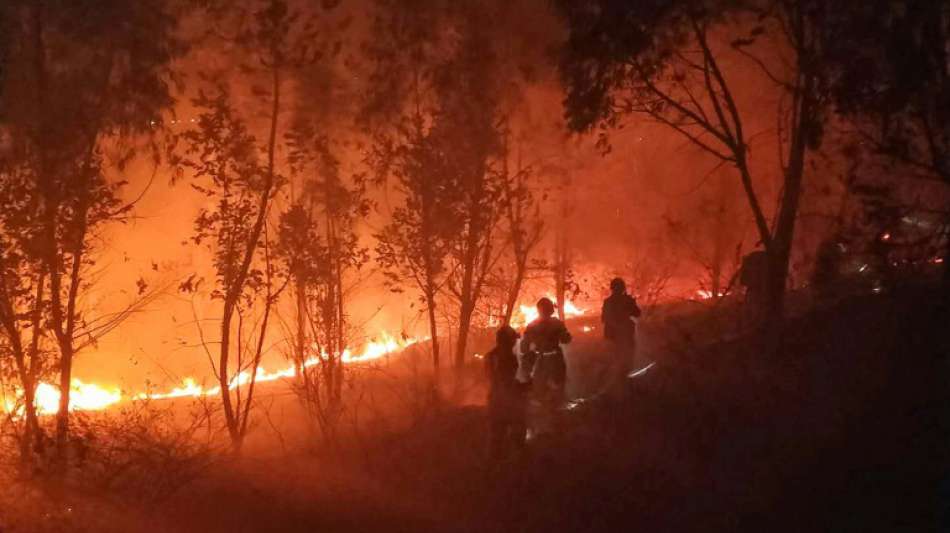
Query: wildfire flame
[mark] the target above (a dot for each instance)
(529, 313)
(92, 397)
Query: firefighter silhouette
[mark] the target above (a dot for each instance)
(620, 329)
(541, 350)
(507, 397)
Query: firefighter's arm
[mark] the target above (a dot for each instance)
(565, 336)
(634, 308)
(526, 340)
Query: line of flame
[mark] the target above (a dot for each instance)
(92, 397)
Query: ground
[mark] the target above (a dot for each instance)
(846, 430)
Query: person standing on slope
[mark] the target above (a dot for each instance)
(619, 315)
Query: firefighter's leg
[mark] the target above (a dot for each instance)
(558, 378)
(518, 432)
(556, 390)
(617, 369)
(497, 429)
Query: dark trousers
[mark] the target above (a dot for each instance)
(507, 434)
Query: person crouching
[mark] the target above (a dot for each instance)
(507, 397)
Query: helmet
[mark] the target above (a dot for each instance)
(618, 285)
(546, 306)
(506, 335)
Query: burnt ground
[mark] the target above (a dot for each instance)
(846, 430)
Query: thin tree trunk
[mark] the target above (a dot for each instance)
(224, 356)
(433, 333)
(515, 290)
(66, 337)
(237, 287)
(560, 271)
(780, 254)
(467, 301)
(465, 325)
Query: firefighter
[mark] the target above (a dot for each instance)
(618, 315)
(541, 348)
(507, 397)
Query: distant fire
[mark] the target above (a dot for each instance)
(92, 397)
(704, 294)
(529, 313)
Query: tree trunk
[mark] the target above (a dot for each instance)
(560, 273)
(66, 336)
(779, 254)
(465, 325)
(32, 436)
(515, 291)
(467, 303)
(301, 344)
(433, 333)
(224, 357)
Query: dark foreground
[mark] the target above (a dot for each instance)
(847, 431)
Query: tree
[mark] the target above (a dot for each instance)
(224, 158)
(401, 107)
(84, 75)
(449, 78)
(664, 59)
(22, 293)
(466, 130)
(244, 180)
(414, 245)
(524, 223)
(321, 263)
